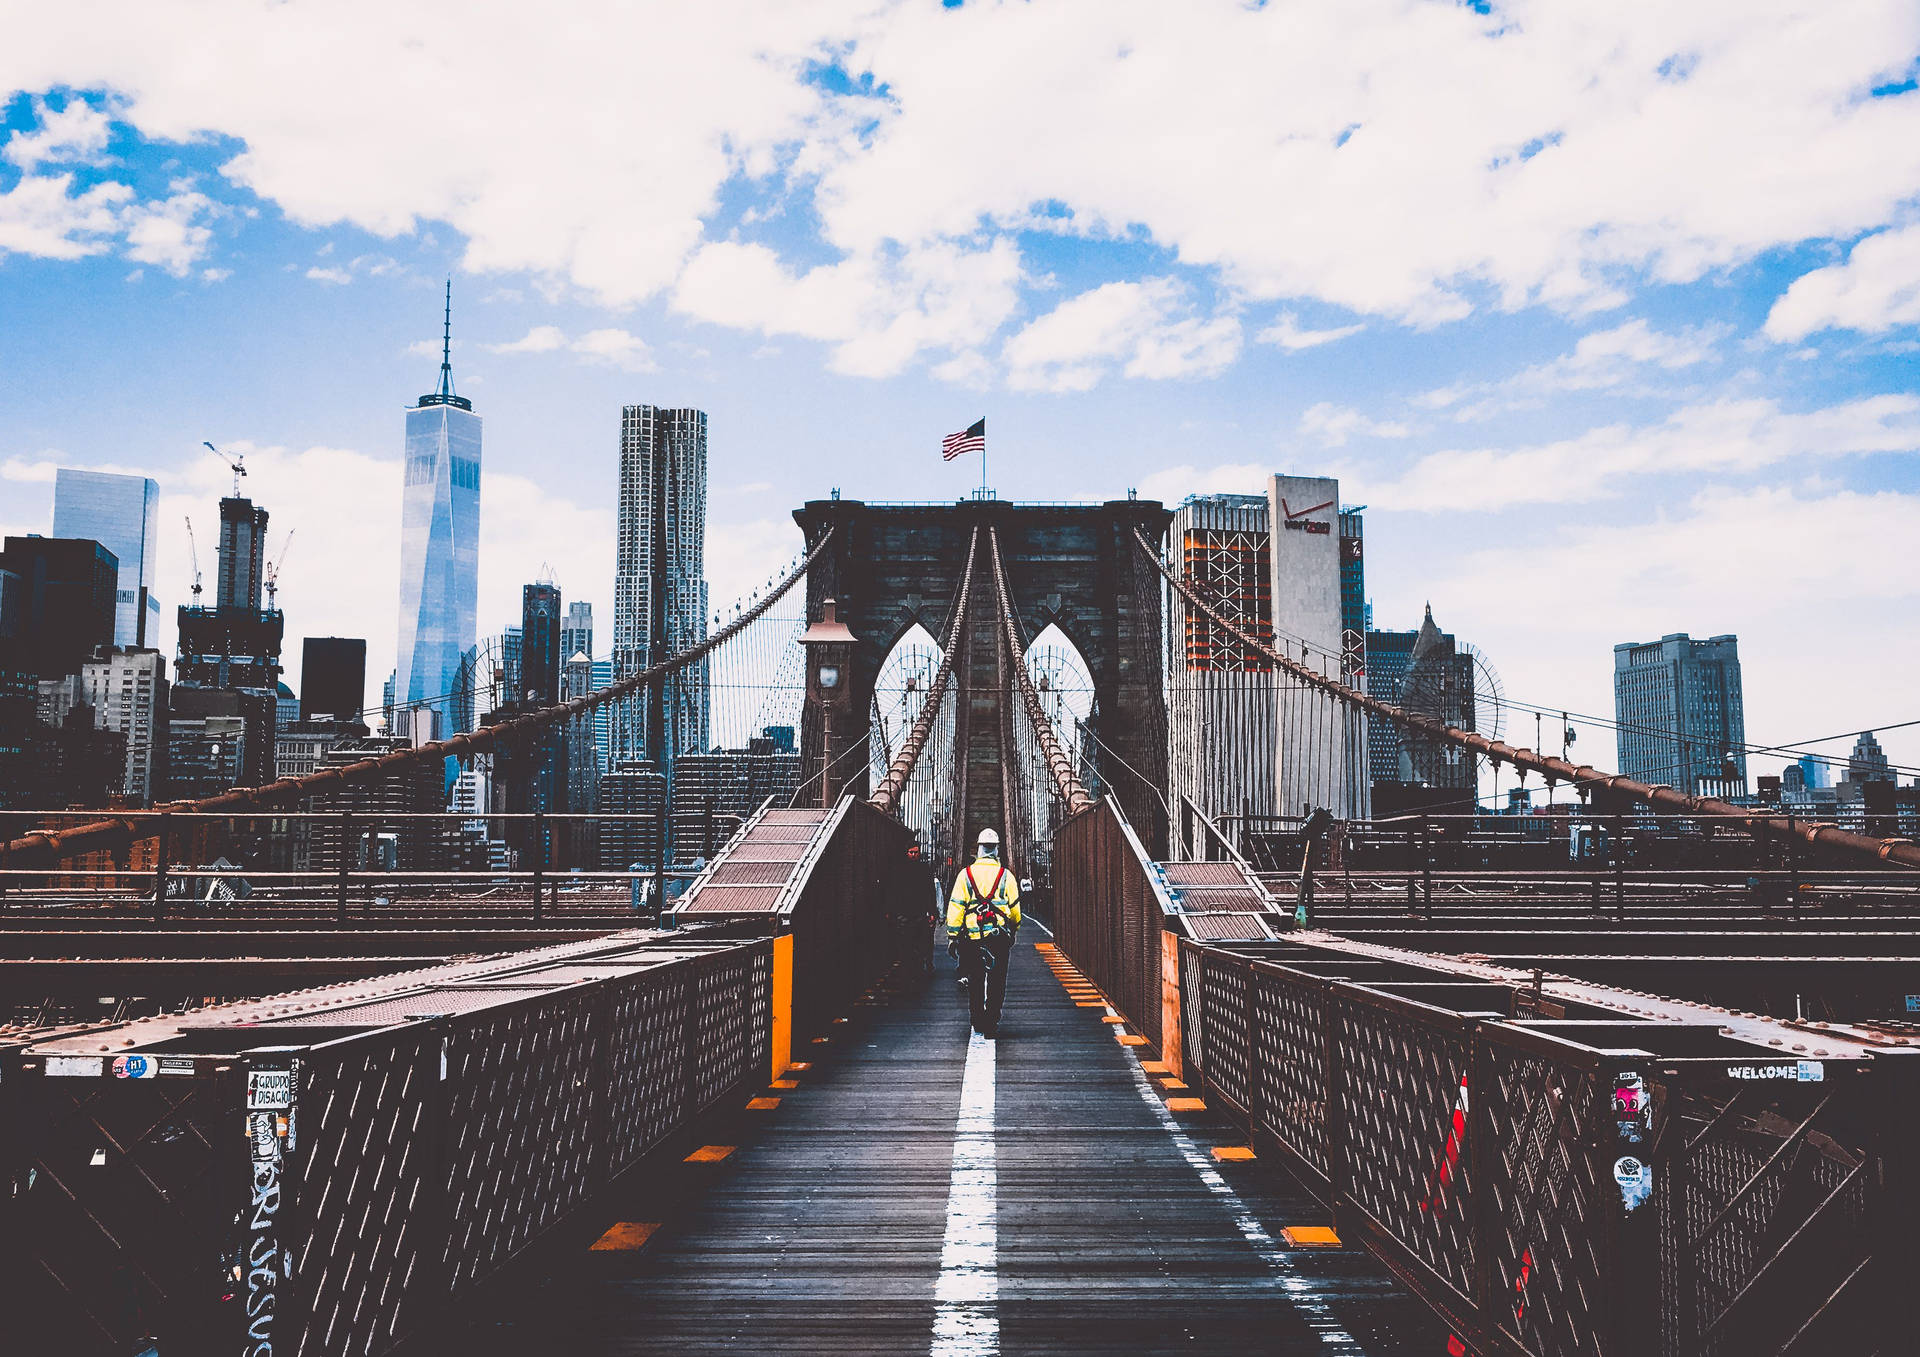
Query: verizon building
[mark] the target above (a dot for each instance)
(1320, 745)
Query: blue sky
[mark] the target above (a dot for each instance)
(1609, 314)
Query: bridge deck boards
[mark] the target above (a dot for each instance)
(823, 1232)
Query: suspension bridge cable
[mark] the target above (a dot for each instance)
(57, 845)
(887, 795)
(1064, 776)
(1901, 852)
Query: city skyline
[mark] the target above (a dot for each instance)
(1673, 365)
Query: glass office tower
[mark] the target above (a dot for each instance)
(121, 513)
(439, 545)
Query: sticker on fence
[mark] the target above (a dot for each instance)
(1801, 1071)
(1632, 1112)
(1635, 1176)
(271, 1089)
(76, 1066)
(134, 1067)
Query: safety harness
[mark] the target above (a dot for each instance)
(986, 905)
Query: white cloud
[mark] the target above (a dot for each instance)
(1288, 334)
(881, 312)
(166, 232)
(43, 215)
(1720, 437)
(1283, 152)
(1175, 483)
(1328, 152)
(1334, 424)
(1877, 288)
(329, 275)
(1148, 329)
(423, 348)
(616, 348)
(1693, 569)
(540, 339)
(215, 275)
(1600, 360)
(76, 134)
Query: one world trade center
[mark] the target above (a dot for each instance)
(439, 555)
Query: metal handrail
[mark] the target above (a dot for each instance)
(58, 845)
(1894, 851)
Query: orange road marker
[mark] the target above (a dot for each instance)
(1232, 1154)
(1311, 1237)
(762, 1104)
(1126, 1040)
(1154, 1066)
(1171, 1083)
(1089, 1003)
(784, 1083)
(1186, 1105)
(624, 1236)
(709, 1154)
(1112, 1017)
(799, 1067)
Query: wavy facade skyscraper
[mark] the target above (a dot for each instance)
(662, 541)
(439, 547)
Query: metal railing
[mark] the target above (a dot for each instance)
(1581, 1185)
(316, 1173)
(1559, 1170)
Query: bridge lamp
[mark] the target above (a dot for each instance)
(829, 649)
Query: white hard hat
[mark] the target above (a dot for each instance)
(988, 836)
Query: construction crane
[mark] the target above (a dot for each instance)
(237, 461)
(193, 554)
(272, 570)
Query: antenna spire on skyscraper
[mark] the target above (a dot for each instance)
(446, 345)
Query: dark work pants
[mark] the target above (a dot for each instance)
(986, 984)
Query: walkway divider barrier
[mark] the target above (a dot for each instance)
(1559, 1169)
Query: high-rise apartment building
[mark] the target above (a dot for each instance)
(540, 652)
(1868, 762)
(660, 579)
(583, 750)
(1438, 683)
(1681, 720)
(714, 793)
(511, 682)
(64, 602)
(576, 632)
(439, 544)
(121, 513)
(333, 678)
(127, 690)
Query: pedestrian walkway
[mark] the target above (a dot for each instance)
(921, 1190)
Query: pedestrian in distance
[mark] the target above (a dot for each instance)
(983, 920)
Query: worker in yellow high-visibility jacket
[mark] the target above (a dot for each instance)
(983, 917)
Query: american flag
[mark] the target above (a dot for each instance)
(973, 438)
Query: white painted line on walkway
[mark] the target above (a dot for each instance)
(966, 1320)
(1042, 927)
(1312, 1306)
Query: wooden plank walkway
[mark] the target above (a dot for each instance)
(1095, 1221)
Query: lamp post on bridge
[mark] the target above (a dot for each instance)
(829, 648)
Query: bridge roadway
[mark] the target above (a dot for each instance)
(845, 1221)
